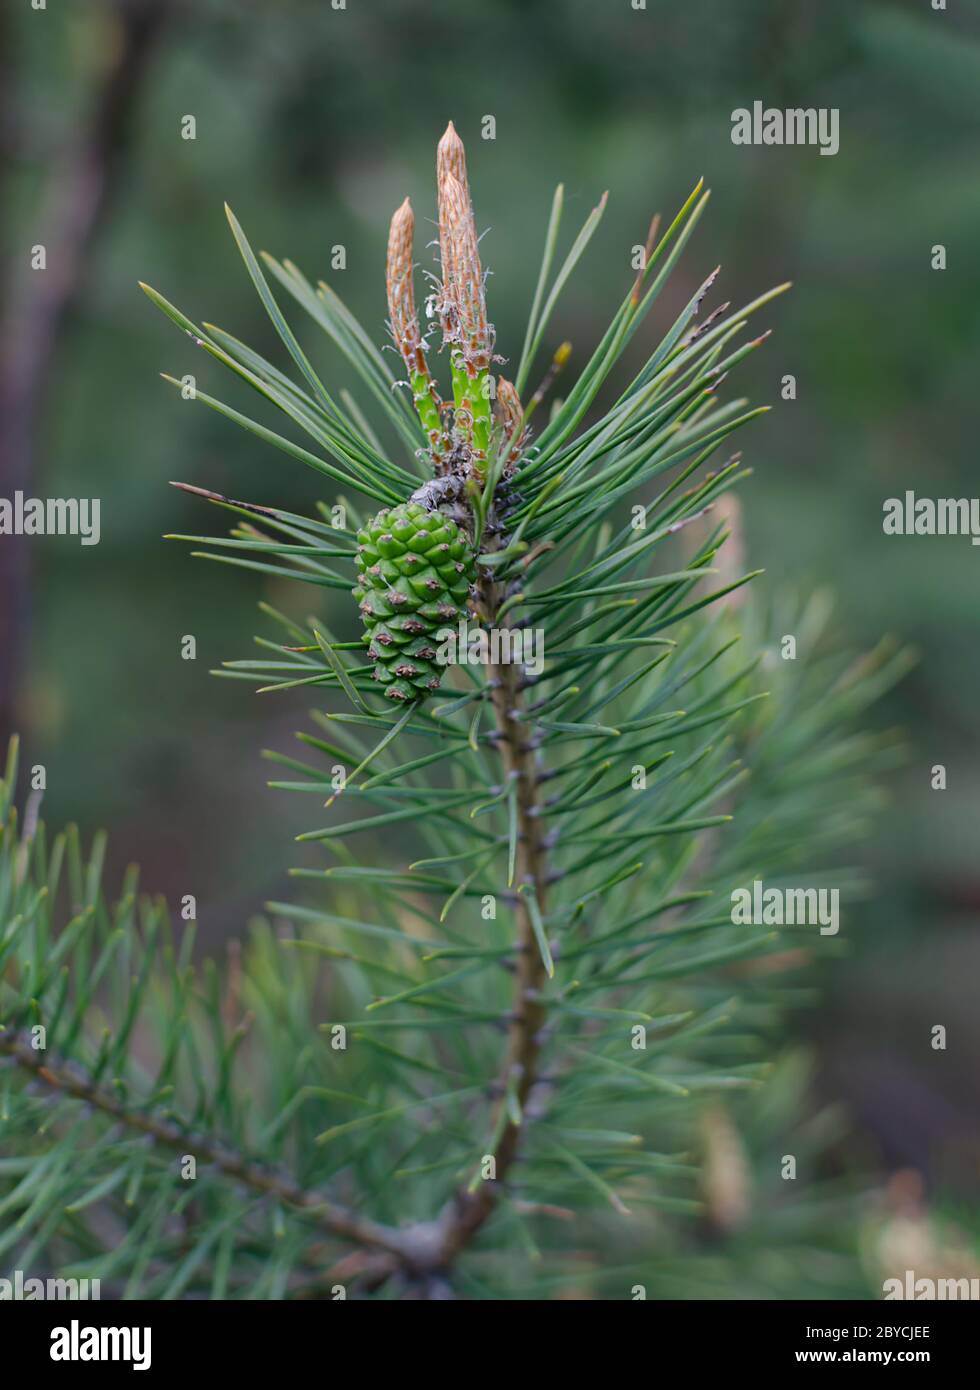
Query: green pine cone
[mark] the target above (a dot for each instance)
(416, 567)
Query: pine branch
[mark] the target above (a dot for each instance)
(65, 1080)
(606, 788)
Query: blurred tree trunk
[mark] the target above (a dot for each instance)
(37, 305)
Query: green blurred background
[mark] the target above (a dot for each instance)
(314, 123)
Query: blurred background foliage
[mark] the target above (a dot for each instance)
(314, 123)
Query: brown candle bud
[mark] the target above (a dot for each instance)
(399, 283)
(463, 274)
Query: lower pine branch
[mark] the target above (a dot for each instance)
(421, 1254)
(60, 1077)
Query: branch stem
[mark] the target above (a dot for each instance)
(519, 1071)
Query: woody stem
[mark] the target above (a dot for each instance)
(519, 1069)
